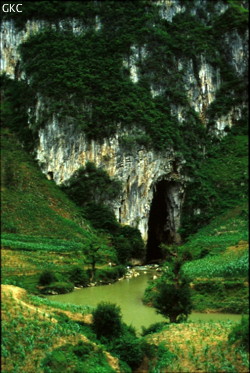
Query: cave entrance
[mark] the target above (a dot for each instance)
(161, 223)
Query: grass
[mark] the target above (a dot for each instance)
(201, 347)
(227, 265)
(43, 327)
(35, 243)
(38, 328)
(33, 205)
(219, 267)
(220, 279)
(24, 267)
(222, 232)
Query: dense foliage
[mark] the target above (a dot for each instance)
(93, 190)
(240, 334)
(119, 338)
(107, 320)
(93, 184)
(170, 294)
(83, 74)
(83, 357)
(220, 182)
(16, 98)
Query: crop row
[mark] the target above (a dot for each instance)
(43, 246)
(218, 266)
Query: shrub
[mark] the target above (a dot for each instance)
(128, 244)
(110, 274)
(240, 333)
(93, 184)
(58, 287)
(78, 276)
(47, 277)
(153, 328)
(107, 320)
(129, 349)
(76, 359)
(82, 349)
(164, 358)
(215, 287)
(173, 302)
(55, 362)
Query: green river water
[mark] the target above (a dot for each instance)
(128, 295)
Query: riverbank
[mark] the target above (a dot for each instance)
(128, 294)
(46, 331)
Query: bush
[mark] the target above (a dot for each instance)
(110, 274)
(214, 287)
(164, 358)
(153, 328)
(240, 333)
(55, 362)
(107, 320)
(82, 349)
(46, 278)
(58, 287)
(173, 301)
(82, 358)
(128, 348)
(78, 276)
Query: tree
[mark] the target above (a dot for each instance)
(107, 320)
(98, 252)
(172, 298)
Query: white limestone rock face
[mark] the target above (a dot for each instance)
(11, 38)
(169, 8)
(200, 83)
(63, 149)
(237, 49)
(137, 54)
(229, 119)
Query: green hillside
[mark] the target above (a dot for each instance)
(216, 262)
(169, 79)
(31, 204)
(42, 230)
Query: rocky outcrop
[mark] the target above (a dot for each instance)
(63, 149)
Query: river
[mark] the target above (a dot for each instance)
(128, 295)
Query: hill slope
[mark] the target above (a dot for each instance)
(31, 204)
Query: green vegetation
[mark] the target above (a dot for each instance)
(170, 294)
(240, 334)
(223, 231)
(83, 78)
(216, 262)
(48, 213)
(120, 339)
(92, 189)
(82, 357)
(16, 98)
(227, 266)
(201, 346)
(107, 320)
(90, 183)
(220, 182)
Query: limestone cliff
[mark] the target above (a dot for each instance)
(63, 148)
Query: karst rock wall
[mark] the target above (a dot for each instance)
(62, 148)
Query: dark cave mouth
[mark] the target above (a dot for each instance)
(160, 223)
